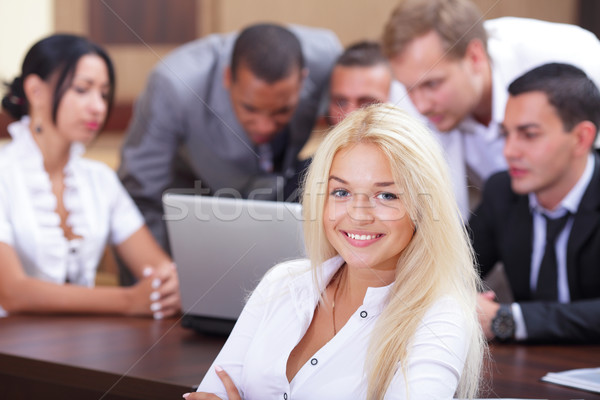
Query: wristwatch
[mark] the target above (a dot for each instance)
(503, 324)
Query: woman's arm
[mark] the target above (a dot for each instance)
(436, 356)
(232, 355)
(232, 391)
(142, 254)
(22, 293)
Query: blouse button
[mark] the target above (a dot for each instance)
(285, 396)
(363, 314)
(314, 361)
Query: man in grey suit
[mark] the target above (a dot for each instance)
(541, 218)
(227, 115)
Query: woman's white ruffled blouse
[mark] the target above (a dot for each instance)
(100, 211)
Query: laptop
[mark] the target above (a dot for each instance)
(222, 248)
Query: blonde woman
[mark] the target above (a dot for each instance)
(385, 308)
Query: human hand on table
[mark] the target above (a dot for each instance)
(230, 388)
(487, 307)
(157, 293)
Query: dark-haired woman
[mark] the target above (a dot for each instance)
(58, 210)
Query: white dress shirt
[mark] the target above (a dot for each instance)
(515, 46)
(278, 315)
(100, 211)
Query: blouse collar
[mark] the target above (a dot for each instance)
(23, 139)
(376, 298)
(53, 247)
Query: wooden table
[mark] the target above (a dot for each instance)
(109, 358)
(115, 358)
(516, 370)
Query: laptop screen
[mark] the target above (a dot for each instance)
(222, 247)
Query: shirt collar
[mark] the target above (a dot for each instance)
(571, 201)
(21, 135)
(375, 298)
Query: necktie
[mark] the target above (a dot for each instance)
(547, 284)
(265, 154)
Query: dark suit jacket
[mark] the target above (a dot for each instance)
(502, 230)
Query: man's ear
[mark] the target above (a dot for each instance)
(34, 86)
(585, 135)
(476, 55)
(227, 77)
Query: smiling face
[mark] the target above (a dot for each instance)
(84, 105)
(443, 89)
(263, 109)
(365, 219)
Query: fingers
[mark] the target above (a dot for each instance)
(166, 307)
(490, 295)
(200, 396)
(230, 388)
(148, 270)
(164, 298)
(487, 309)
(166, 271)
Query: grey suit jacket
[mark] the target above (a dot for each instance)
(184, 132)
(502, 230)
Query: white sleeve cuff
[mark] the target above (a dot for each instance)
(520, 328)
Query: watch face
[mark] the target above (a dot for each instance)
(503, 324)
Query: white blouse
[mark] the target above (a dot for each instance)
(280, 311)
(100, 211)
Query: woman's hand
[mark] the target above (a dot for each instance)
(230, 388)
(157, 293)
(168, 292)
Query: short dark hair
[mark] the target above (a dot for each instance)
(568, 89)
(54, 56)
(270, 51)
(362, 54)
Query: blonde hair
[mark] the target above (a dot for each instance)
(457, 22)
(437, 262)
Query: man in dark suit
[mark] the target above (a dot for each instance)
(541, 218)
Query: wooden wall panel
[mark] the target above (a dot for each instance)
(589, 15)
(351, 19)
(150, 21)
(565, 11)
(359, 19)
(71, 16)
(133, 64)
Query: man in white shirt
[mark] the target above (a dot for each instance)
(541, 218)
(456, 68)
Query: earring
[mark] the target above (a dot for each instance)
(38, 128)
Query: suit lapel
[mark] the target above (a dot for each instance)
(518, 247)
(585, 223)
